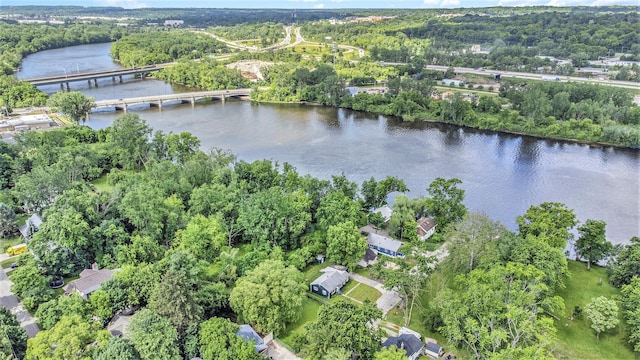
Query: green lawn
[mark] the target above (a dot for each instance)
(364, 292)
(576, 339)
(310, 309)
(350, 285)
(102, 183)
(313, 271)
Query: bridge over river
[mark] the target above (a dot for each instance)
(65, 79)
(158, 100)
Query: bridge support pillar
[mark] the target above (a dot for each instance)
(113, 79)
(89, 82)
(223, 98)
(120, 78)
(68, 88)
(61, 86)
(95, 82)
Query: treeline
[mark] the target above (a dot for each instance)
(561, 110)
(20, 40)
(206, 74)
(156, 46)
(262, 34)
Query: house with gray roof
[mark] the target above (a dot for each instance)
(385, 211)
(33, 224)
(407, 342)
(384, 245)
(330, 282)
(90, 281)
(247, 334)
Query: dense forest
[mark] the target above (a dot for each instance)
(197, 235)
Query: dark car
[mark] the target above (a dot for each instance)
(14, 265)
(56, 282)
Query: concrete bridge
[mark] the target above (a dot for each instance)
(65, 79)
(184, 98)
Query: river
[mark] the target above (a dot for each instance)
(502, 174)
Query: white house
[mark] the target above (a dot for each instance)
(426, 228)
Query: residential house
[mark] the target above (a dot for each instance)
(426, 228)
(33, 224)
(407, 342)
(385, 211)
(434, 350)
(247, 333)
(384, 245)
(330, 282)
(90, 281)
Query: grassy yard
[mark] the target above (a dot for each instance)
(313, 271)
(102, 183)
(310, 309)
(576, 339)
(362, 292)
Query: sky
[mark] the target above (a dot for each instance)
(317, 4)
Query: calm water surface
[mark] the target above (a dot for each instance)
(502, 174)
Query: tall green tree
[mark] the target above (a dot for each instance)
(73, 103)
(343, 325)
(630, 300)
(345, 245)
(71, 338)
(8, 223)
(174, 298)
(375, 192)
(218, 341)
(403, 224)
(15, 335)
(336, 208)
(592, 244)
(128, 137)
(392, 353)
(626, 265)
(446, 203)
(472, 243)
(116, 349)
(488, 311)
(153, 336)
(603, 314)
(279, 291)
(203, 237)
(271, 217)
(551, 219)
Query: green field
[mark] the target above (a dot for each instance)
(363, 292)
(310, 309)
(576, 339)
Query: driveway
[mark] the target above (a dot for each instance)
(276, 351)
(11, 302)
(387, 301)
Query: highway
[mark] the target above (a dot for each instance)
(530, 76)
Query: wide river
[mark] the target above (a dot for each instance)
(502, 174)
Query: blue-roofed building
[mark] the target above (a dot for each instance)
(384, 245)
(247, 333)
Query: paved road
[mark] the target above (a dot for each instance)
(522, 75)
(387, 301)
(11, 302)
